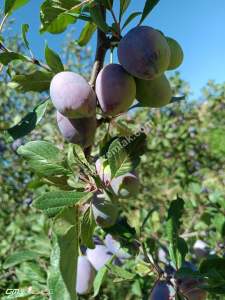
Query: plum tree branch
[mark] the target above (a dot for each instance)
(3, 22)
(29, 59)
(103, 44)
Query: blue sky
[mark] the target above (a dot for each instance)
(199, 25)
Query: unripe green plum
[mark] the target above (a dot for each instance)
(103, 170)
(162, 291)
(77, 131)
(72, 96)
(144, 53)
(155, 93)
(177, 54)
(125, 186)
(104, 210)
(115, 90)
(85, 276)
(98, 256)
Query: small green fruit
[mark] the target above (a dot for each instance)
(154, 93)
(176, 54)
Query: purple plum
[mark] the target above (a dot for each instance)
(125, 186)
(103, 170)
(115, 90)
(72, 96)
(144, 53)
(98, 256)
(162, 291)
(85, 276)
(77, 131)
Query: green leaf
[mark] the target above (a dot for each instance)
(97, 17)
(86, 34)
(213, 267)
(120, 272)
(12, 5)
(57, 15)
(178, 248)
(62, 273)
(123, 7)
(53, 60)
(25, 29)
(124, 154)
(87, 229)
(37, 81)
(122, 230)
(149, 5)
(43, 157)
(29, 122)
(7, 57)
(60, 199)
(177, 99)
(32, 272)
(19, 257)
(130, 18)
(76, 157)
(106, 3)
(100, 277)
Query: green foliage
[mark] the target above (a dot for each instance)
(124, 154)
(37, 81)
(86, 34)
(7, 57)
(149, 5)
(12, 5)
(87, 229)
(29, 122)
(43, 157)
(53, 60)
(62, 274)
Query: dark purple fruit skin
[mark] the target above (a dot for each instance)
(161, 291)
(115, 90)
(72, 96)
(144, 53)
(77, 131)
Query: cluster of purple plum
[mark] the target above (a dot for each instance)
(94, 259)
(144, 55)
(187, 286)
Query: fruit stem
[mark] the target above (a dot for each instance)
(102, 46)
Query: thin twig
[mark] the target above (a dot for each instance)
(114, 18)
(81, 4)
(3, 22)
(102, 46)
(29, 59)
